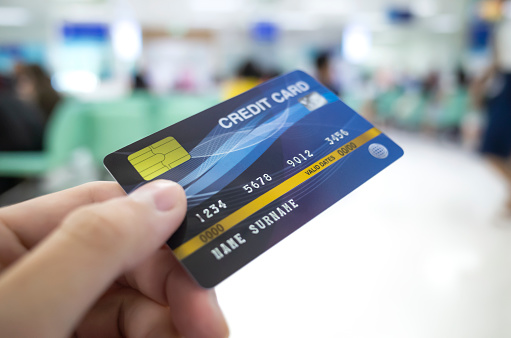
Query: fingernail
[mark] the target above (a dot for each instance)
(162, 193)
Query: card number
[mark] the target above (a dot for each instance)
(257, 183)
(211, 210)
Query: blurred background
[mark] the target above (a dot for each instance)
(421, 250)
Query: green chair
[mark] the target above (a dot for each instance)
(413, 112)
(385, 104)
(352, 101)
(64, 133)
(456, 107)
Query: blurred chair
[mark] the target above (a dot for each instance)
(411, 111)
(457, 105)
(353, 101)
(385, 104)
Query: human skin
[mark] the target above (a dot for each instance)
(92, 262)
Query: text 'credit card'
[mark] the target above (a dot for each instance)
(255, 169)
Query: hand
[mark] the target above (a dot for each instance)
(92, 262)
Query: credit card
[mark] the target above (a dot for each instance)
(255, 168)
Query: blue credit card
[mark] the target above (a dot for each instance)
(256, 168)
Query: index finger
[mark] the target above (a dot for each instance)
(32, 220)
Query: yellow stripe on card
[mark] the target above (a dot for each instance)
(205, 237)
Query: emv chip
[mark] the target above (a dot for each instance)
(158, 158)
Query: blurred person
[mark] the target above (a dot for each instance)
(139, 83)
(323, 66)
(250, 70)
(33, 86)
(21, 128)
(492, 91)
(430, 85)
(21, 125)
(462, 80)
(270, 74)
(5, 83)
(455, 107)
(368, 96)
(432, 94)
(92, 262)
(186, 80)
(248, 75)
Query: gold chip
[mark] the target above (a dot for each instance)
(158, 158)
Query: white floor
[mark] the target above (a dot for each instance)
(419, 251)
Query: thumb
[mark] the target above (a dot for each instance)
(53, 286)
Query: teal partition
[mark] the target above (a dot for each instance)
(175, 108)
(101, 127)
(115, 124)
